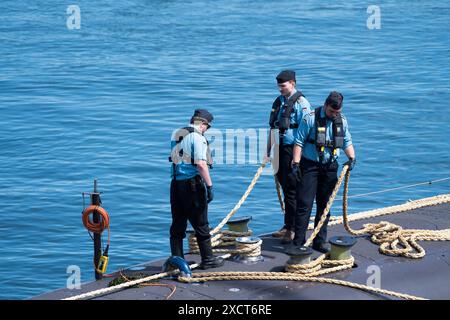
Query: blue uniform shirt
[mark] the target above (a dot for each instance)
(301, 108)
(307, 130)
(193, 143)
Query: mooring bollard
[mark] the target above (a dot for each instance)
(299, 255)
(341, 247)
(252, 256)
(239, 224)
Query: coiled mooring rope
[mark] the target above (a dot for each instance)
(225, 238)
(389, 235)
(320, 266)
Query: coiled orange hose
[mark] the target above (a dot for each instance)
(96, 227)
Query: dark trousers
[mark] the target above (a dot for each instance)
(188, 203)
(288, 184)
(317, 182)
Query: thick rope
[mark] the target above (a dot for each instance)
(285, 276)
(101, 292)
(408, 206)
(389, 235)
(328, 206)
(281, 200)
(320, 266)
(104, 291)
(227, 238)
(172, 287)
(246, 249)
(249, 249)
(241, 201)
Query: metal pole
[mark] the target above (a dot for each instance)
(95, 200)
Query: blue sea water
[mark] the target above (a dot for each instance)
(102, 101)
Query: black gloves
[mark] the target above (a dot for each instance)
(209, 194)
(296, 172)
(351, 163)
(295, 168)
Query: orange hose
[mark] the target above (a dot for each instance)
(96, 227)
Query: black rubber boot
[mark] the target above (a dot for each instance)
(208, 259)
(176, 246)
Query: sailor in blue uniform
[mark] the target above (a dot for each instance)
(318, 141)
(287, 111)
(191, 188)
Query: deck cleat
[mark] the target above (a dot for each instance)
(239, 224)
(341, 247)
(299, 255)
(250, 257)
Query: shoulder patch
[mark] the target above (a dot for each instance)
(307, 116)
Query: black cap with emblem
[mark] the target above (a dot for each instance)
(202, 115)
(285, 75)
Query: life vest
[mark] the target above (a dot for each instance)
(177, 155)
(285, 120)
(321, 141)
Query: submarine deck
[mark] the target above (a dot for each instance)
(428, 277)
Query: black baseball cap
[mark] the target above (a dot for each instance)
(202, 115)
(285, 75)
